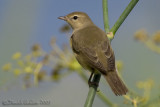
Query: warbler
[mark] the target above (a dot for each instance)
(93, 51)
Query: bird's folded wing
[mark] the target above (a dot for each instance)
(95, 61)
(106, 48)
(91, 56)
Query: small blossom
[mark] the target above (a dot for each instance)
(74, 65)
(65, 28)
(36, 47)
(156, 37)
(17, 72)
(7, 67)
(17, 55)
(141, 35)
(28, 69)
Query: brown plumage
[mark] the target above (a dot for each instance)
(93, 50)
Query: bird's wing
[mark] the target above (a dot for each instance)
(97, 61)
(91, 55)
(107, 50)
(92, 58)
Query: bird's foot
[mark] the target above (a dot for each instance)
(90, 83)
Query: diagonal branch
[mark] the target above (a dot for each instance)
(123, 16)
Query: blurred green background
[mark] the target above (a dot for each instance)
(26, 22)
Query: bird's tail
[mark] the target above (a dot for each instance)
(116, 84)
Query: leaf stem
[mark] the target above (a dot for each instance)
(105, 15)
(123, 16)
(92, 91)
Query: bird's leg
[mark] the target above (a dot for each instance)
(90, 79)
(90, 82)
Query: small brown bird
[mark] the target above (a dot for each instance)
(93, 51)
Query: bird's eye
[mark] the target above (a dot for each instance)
(75, 17)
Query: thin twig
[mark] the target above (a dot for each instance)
(123, 16)
(105, 15)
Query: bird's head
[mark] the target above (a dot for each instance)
(77, 20)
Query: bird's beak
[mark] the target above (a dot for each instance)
(62, 18)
